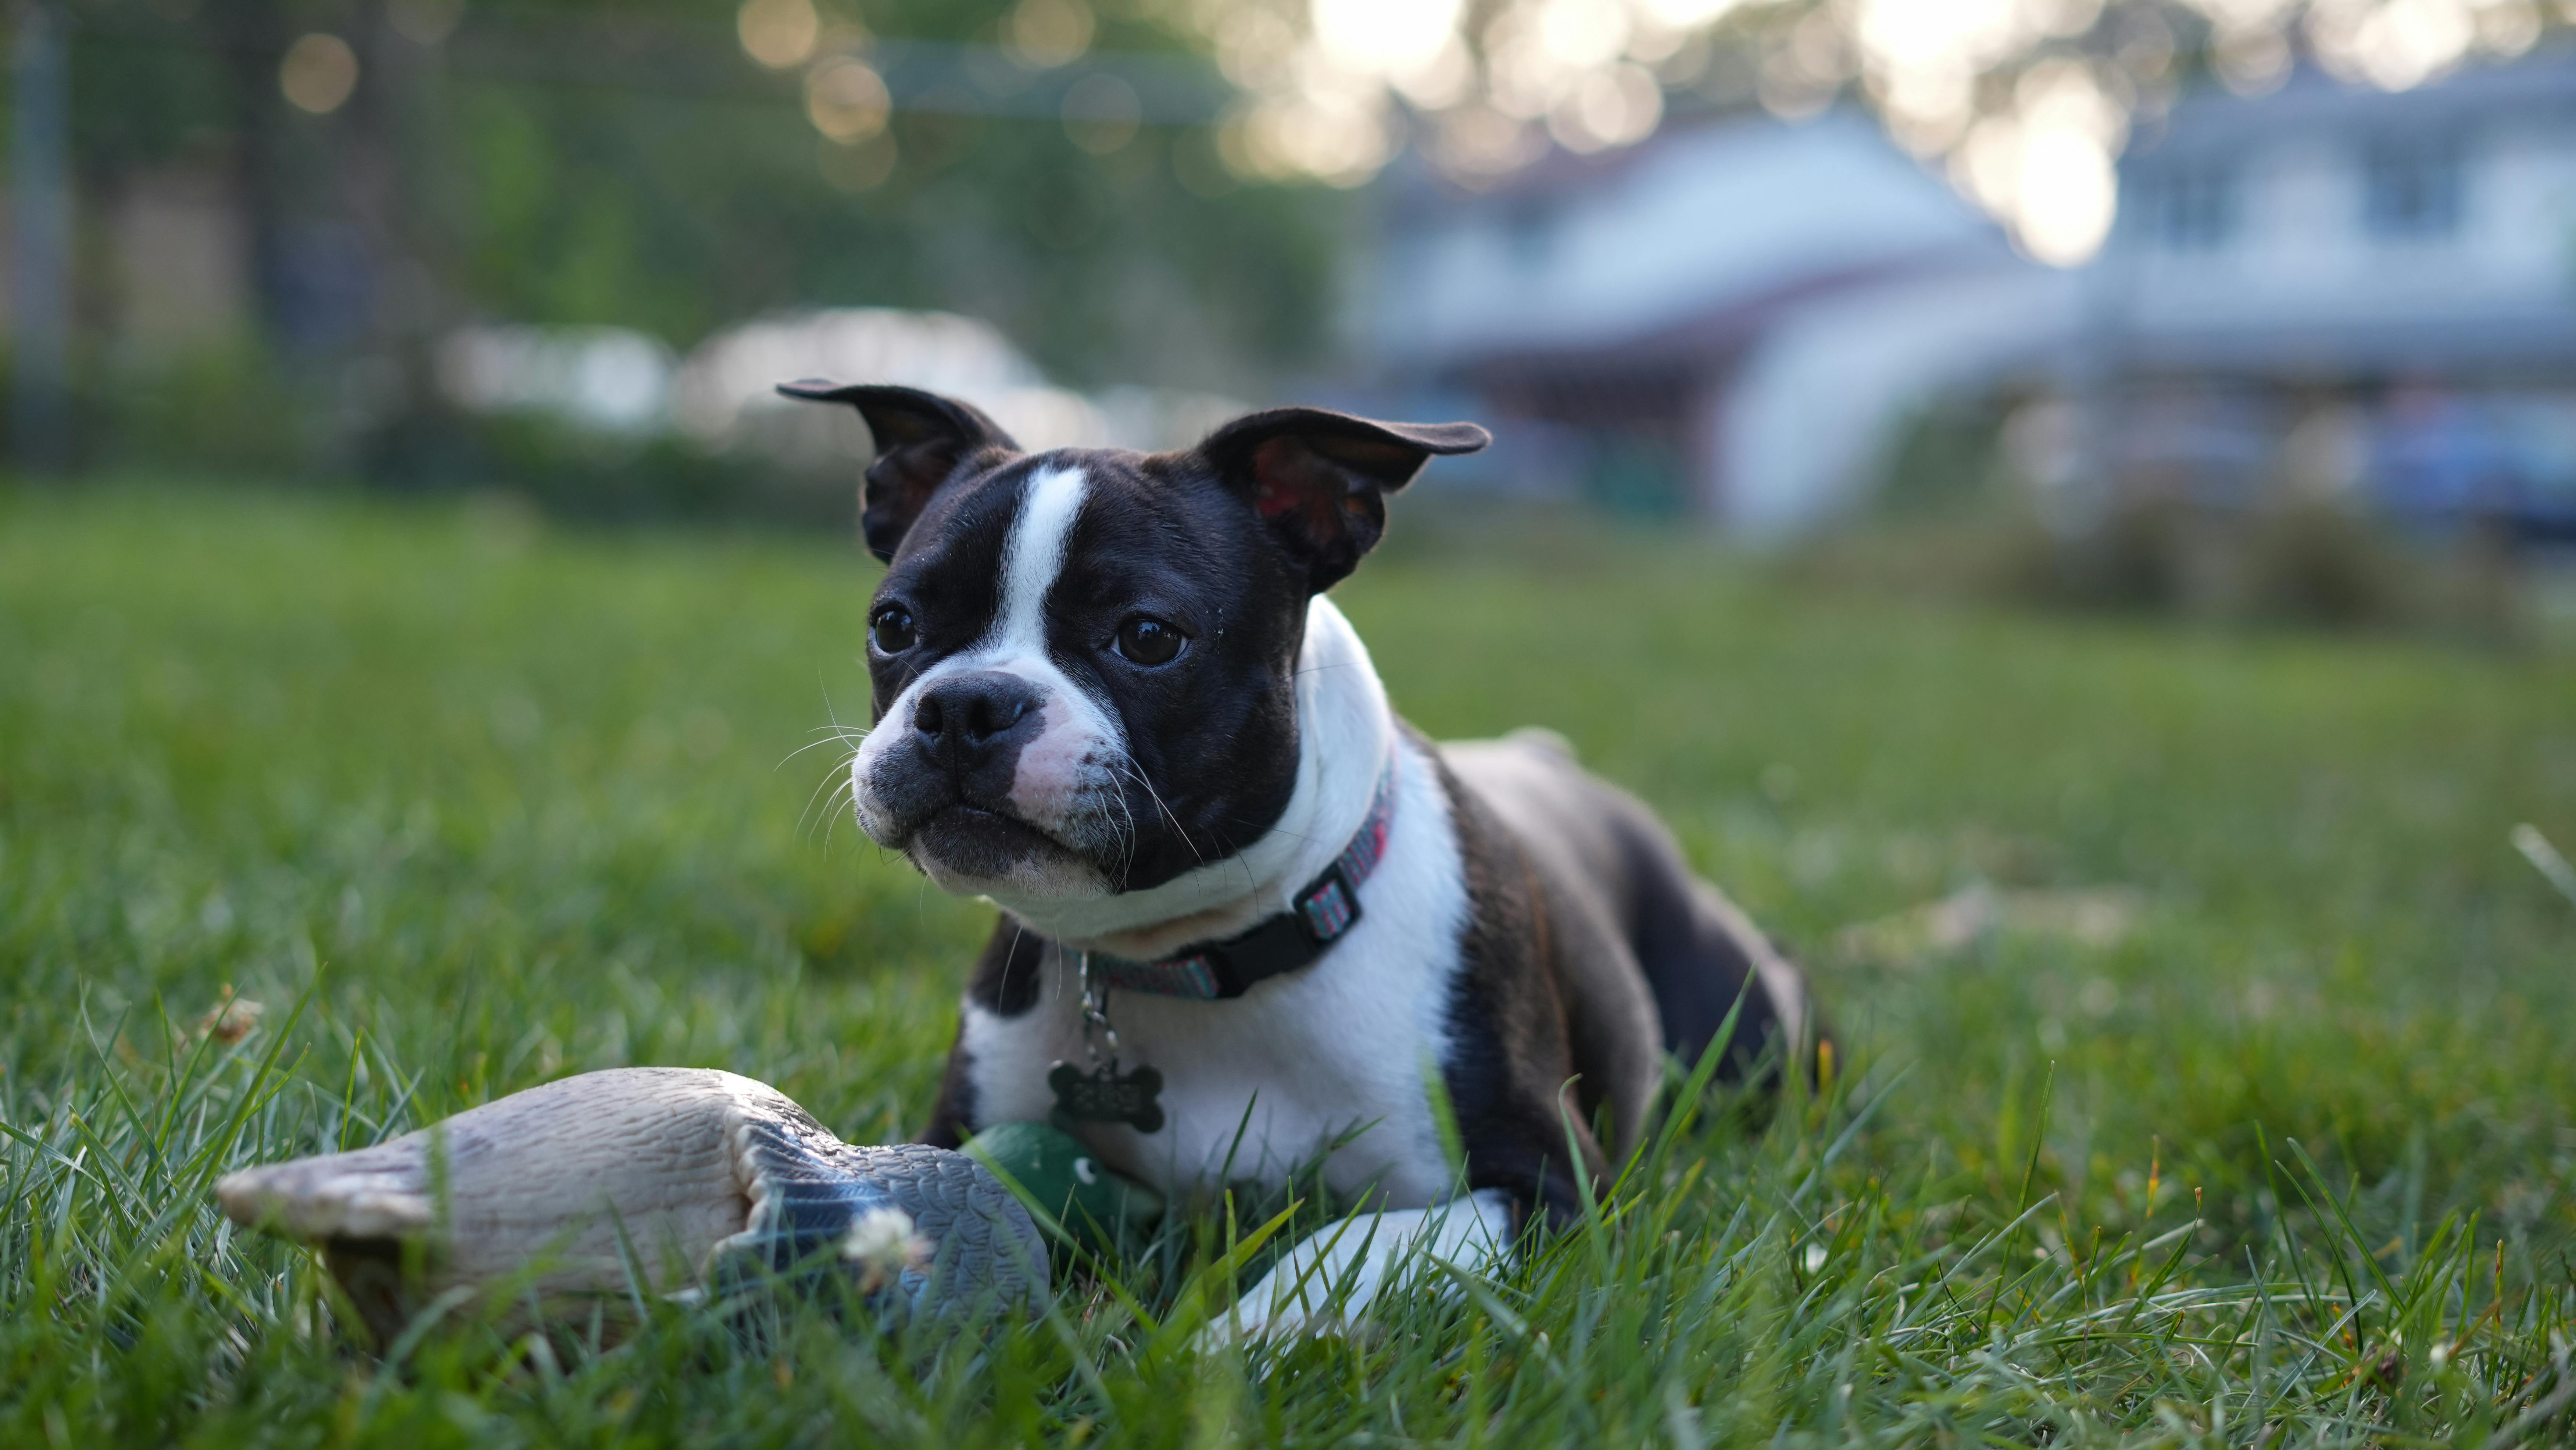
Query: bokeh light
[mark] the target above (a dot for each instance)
(1389, 37)
(2024, 103)
(856, 166)
(779, 33)
(1045, 34)
(424, 22)
(1102, 113)
(318, 73)
(846, 99)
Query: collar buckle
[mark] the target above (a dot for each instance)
(1329, 906)
(1318, 916)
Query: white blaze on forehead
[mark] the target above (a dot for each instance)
(1062, 782)
(1056, 767)
(1032, 557)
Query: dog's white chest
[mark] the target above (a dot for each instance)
(1260, 1086)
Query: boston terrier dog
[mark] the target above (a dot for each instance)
(1249, 918)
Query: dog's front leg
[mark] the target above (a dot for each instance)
(1329, 1280)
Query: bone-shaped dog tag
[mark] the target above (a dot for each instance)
(1106, 1095)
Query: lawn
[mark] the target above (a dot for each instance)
(2250, 1118)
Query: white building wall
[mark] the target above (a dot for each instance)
(1704, 220)
(2302, 257)
(1816, 411)
(2523, 207)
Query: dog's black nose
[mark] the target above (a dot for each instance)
(965, 720)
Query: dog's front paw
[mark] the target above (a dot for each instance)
(1323, 1285)
(1290, 1302)
(1327, 1283)
(1247, 1327)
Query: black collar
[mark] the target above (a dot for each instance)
(1316, 918)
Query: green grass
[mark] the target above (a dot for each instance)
(468, 805)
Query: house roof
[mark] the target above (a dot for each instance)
(2312, 101)
(1687, 238)
(2300, 283)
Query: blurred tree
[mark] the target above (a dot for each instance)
(2026, 103)
(399, 166)
(1132, 189)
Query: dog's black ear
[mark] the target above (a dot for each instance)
(1320, 478)
(921, 438)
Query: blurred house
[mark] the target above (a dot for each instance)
(2335, 287)
(2329, 287)
(1732, 320)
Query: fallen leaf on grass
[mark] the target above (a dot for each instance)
(232, 1021)
(2097, 916)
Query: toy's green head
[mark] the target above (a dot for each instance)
(1056, 1175)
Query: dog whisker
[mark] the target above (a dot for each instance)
(1128, 833)
(1250, 882)
(1136, 773)
(847, 734)
(839, 782)
(830, 793)
(845, 794)
(839, 774)
(804, 818)
(834, 738)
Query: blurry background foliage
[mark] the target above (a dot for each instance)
(1953, 521)
(633, 165)
(1160, 195)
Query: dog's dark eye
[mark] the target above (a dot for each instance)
(892, 629)
(1148, 641)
